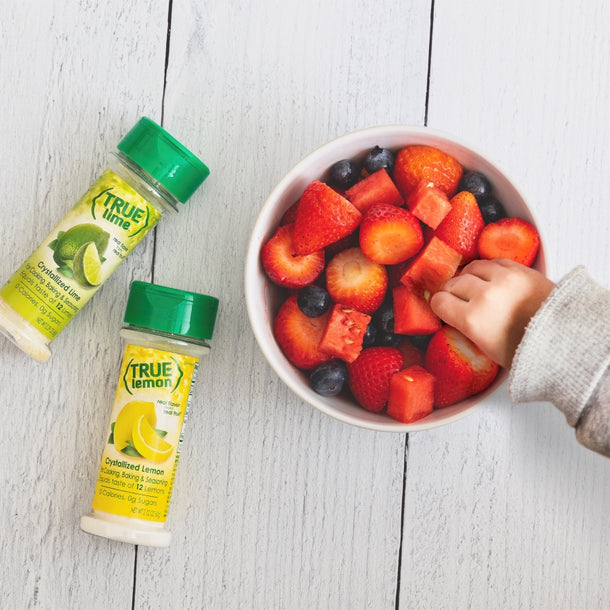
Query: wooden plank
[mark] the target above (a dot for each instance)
(505, 509)
(76, 77)
(275, 505)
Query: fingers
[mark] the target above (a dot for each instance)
(449, 307)
(487, 269)
(464, 286)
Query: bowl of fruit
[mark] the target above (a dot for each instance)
(343, 259)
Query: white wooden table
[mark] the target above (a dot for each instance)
(276, 505)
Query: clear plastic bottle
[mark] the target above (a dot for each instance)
(148, 176)
(166, 333)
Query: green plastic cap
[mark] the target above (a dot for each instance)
(168, 310)
(164, 158)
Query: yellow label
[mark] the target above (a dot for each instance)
(83, 250)
(140, 457)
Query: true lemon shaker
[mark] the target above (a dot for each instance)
(166, 333)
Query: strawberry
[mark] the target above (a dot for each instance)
(284, 267)
(461, 369)
(344, 333)
(368, 376)
(512, 238)
(323, 217)
(375, 188)
(462, 226)
(411, 394)
(355, 281)
(299, 336)
(421, 162)
(390, 235)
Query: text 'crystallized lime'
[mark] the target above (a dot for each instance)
(149, 175)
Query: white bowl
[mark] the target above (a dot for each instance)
(263, 298)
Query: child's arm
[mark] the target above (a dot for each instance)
(491, 302)
(556, 338)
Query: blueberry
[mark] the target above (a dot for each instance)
(329, 378)
(384, 318)
(313, 301)
(370, 335)
(343, 174)
(379, 158)
(476, 183)
(491, 210)
(389, 340)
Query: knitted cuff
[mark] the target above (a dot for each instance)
(566, 347)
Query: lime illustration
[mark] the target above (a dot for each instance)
(69, 242)
(148, 443)
(86, 266)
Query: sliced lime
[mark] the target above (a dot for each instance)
(68, 243)
(86, 266)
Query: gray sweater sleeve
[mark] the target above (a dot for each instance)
(564, 358)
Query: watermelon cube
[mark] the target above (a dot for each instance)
(428, 203)
(411, 394)
(344, 333)
(435, 264)
(375, 188)
(412, 312)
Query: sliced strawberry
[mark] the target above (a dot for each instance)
(355, 281)
(411, 394)
(323, 217)
(390, 235)
(421, 162)
(375, 188)
(412, 312)
(344, 333)
(428, 203)
(462, 226)
(436, 263)
(461, 369)
(284, 267)
(299, 336)
(512, 238)
(411, 354)
(369, 376)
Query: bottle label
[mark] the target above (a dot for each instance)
(140, 457)
(71, 264)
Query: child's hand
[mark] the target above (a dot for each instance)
(491, 302)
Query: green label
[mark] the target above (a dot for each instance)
(79, 255)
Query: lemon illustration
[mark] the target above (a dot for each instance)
(86, 266)
(148, 443)
(128, 416)
(71, 241)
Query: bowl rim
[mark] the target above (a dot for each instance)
(252, 271)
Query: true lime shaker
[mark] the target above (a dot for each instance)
(149, 175)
